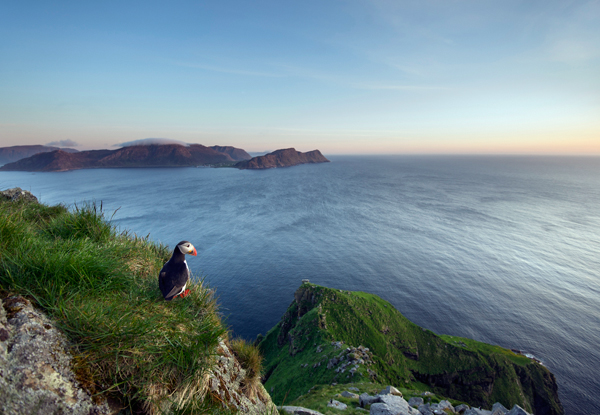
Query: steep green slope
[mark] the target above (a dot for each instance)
(300, 352)
(99, 286)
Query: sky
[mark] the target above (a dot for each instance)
(346, 77)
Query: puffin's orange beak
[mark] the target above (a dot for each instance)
(194, 252)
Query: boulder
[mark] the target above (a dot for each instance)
(517, 410)
(36, 375)
(445, 405)
(337, 405)
(392, 405)
(366, 399)
(460, 409)
(350, 395)
(298, 410)
(499, 409)
(390, 390)
(425, 410)
(416, 402)
(16, 194)
(477, 411)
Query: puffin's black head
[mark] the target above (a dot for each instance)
(187, 248)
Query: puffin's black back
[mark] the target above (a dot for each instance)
(174, 274)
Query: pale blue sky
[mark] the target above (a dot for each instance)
(341, 76)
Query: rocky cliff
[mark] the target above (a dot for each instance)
(282, 158)
(383, 346)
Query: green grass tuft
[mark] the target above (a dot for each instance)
(251, 360)
(100, 285)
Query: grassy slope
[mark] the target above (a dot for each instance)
(100, 287)
(404, 354)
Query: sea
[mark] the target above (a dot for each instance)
(501, 249)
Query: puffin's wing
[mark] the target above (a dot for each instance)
(176, 290)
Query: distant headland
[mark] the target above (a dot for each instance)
(46, 159)
(282, 158)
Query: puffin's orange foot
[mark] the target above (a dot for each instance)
(185, 293)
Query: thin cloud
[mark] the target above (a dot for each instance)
(63, 143)
(149, 141)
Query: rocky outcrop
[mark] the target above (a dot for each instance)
(37, 373)
(228, 383)
(36, 368)
(154, 155)
(385, 403)
(282, 158)
(14, 153)
(16, 194)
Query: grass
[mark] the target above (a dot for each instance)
(251, 360)
(100, 286)
(404, 354)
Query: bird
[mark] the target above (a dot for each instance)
(174, 275)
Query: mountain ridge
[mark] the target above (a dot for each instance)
(14, 153)
(153, 155)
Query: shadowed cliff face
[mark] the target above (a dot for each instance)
(403, 353)
(282, 158)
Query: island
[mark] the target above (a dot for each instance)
(14, 153)
(154, 155)
(282, 158)
(48, 159)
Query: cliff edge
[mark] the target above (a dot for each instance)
(329, 336)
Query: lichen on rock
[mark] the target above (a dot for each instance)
(36, 375)
(226, 384)
(17, 194)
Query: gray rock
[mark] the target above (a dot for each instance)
(366, 399)
(499, 409)
(517, 410)
(392, 405)
(298, 410)
(16, 194)
(225, 381)
(337, 405)
(352, 388)
(36, 374)
(416, 402)
(424, 410)
(477, 411)
(390, 390)
(446, 405)
(437, 409)
(461, 408)
(350, 395)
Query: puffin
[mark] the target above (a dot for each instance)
(174, 275)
